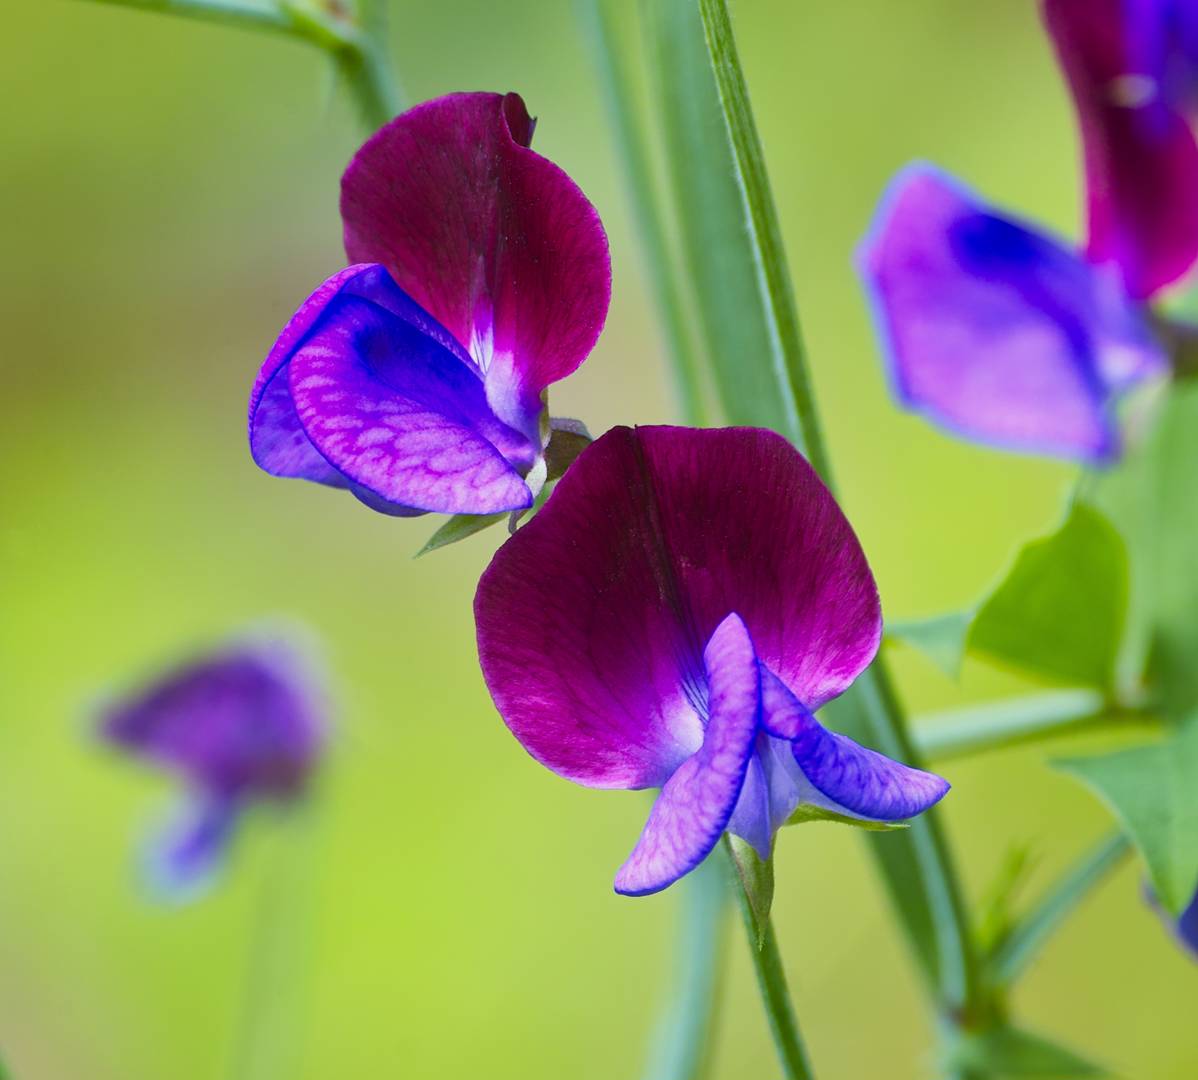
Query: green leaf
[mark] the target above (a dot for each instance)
(1061, 609)
(1153, 791)
(1153, 498)
(756, 876)
(1003, 1052)
(940, 638)
(459, 527)
(805, 812)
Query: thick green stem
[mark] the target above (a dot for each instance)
(981, 728)
(917, 865)
(775, 996)
(1024, 942)
(664, 279)
(681, 1048)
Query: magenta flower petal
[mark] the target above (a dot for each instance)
(995, 331)
(695, 804)
(592, 618)
(1141, 157)
(496, 242)
(367, 387)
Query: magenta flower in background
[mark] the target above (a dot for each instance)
(242, 726)
(673, 618)
(1132, 67)
(416, 378)
(996, 331)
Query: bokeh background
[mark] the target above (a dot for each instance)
(169, 194)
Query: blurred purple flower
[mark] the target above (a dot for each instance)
(1132, 66)
(673, 618)
(996, 331)
(1183, 928)
(241, 726)
(416, 378)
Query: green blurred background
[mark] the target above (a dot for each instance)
(169, 195)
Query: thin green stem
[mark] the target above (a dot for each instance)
(267, 1039)
(1020, 947)
(681, 1047)
(775, 995)
(790, 360)
(357, 47)
(664, 279)
(978, 729)
(368, 70)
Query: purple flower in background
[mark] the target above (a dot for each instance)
(416, 378)
(1132, 67)
(673, 618)
(241, 726)
(996, 331)
(1184, 927)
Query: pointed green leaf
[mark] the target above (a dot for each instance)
(1153, 791)
(1153, 498)
(805, 812)
(940, 638)
(459, 527)
(1004, 1052)
(756, 876)
(1060, 610)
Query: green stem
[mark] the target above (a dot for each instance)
(1024, 942)
(358, 48)
(775, 995)
(616, 78)
(977, 729)
(267, 1044)
(684, 1034)
(790, 361)
(918, 868)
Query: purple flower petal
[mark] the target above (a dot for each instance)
(694, 806)
(847, 778)
(184, 859)
(1187, 926)
(372, 386)
(238, 724)
(995, 331)
(495, 241)
(1141, 157)
(592, 617)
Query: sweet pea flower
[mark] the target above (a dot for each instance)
(997, 331)
(673, 617)
(1132, 68)
(1182, 928)
(416, 377)
(241, 726)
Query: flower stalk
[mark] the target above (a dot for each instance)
(357, 45)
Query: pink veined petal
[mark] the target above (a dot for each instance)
(1141, 157)
(495, 241)
(695, 804)
(591, 619)
(400, 416)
